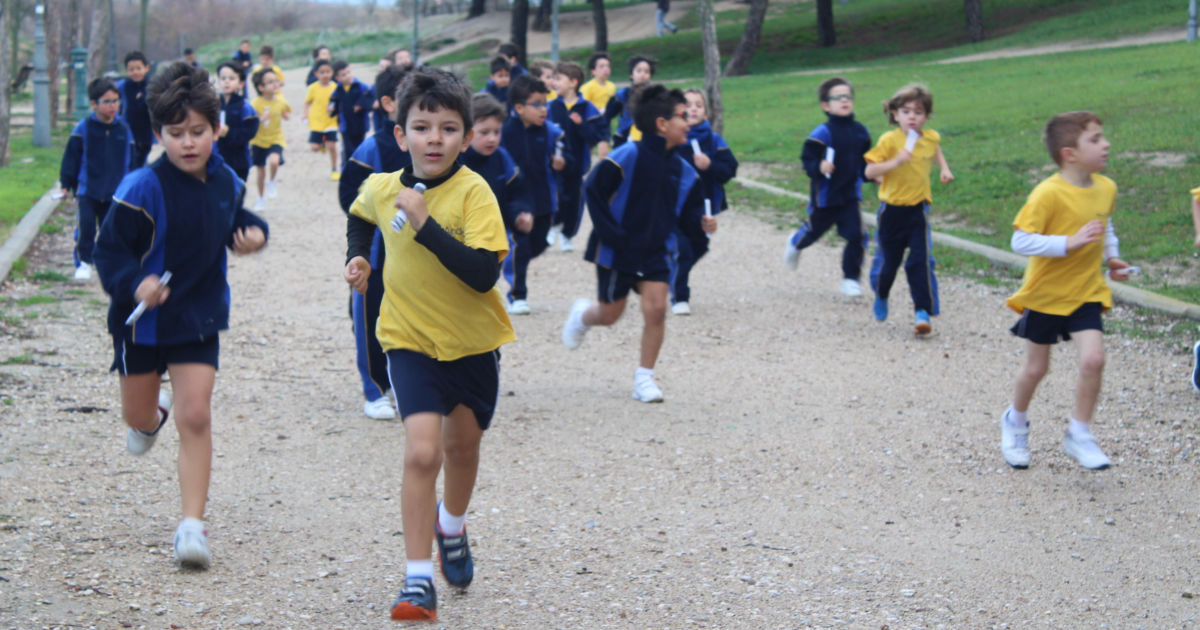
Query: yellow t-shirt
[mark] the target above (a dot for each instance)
(907, 184)
(274, 68)
(1195, 192)
(270, 117)
(597, 94)
(317, 100)
(1058, 286)
(426, 308)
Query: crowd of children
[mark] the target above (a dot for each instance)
(458, 190)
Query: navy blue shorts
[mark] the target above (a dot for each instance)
(423, 384)
(1046, 329)
(258, 155)
(613, 285)
(321, 137)
(131, 358)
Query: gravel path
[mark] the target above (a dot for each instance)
(809, 468)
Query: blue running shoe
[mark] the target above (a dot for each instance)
(1196, 366)
(923, 326)
(880, 308)
(417, 601)
(454, 555)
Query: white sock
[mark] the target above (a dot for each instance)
(1017, 418)
(451, 525)
(419, 569)
(643, 373)
(1078, 429)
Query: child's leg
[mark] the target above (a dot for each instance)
(273, 165)
(919, 267)
(570, 204)
(1033, 370)
(86, 241)
(331, 148)
(849, 227)
(350, 144)
(818, 222)
(527, 247)
(139, 400)
(654, 318)
(689, 254)
(1090, 344)
(604, 313)
(461, 436)
(418, 499)
(261, 174)
(890, 239)
(314, 147)
(192, 385)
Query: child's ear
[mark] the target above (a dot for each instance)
(1068, 155)
(467, 138)
(660, 125)
(401, 140)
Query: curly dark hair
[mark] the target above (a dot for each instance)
(431, 89)
(176, 90)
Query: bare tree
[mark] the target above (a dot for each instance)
(520, 27)
(97, 40)
(601, 24)
(826, 36)
(4, 86)
(712, 65)
(478, 8)
(71, 29)
(142, 26)
(541, 21)
(739, 63)
(54, 18)
(974, 12)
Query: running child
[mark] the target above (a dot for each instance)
(498, 79)
(132, 90)
(351, 103)
(441, 323)
(319, 53)
(486, 157)
(544, 70)
(240, 121)
(322, 126)
(245, 61)
(599, 91)
(1066, 230)
(179, 215)
(583, 128)
(634, 212)
(266, 148)
(266, 61)
(641, 71)
(903, 157)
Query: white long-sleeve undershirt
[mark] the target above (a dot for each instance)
(1055, 246)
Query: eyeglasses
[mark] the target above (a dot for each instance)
(536, 104)
(109, 101)
(840, 97)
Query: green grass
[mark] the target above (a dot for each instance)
(48, 275)
(30, 173)
(35, 300)
(20, 359)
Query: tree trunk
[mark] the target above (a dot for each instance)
(541, 22)
(5, 79)
(601, 23)
(13, 49)
(71, 27)
(97, 40)
(478, 8)
(54, 20)
(142, 26)
(974, 12)
(739, 63)
(712, 65)
(520, 28)
(826, 36)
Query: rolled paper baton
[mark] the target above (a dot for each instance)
(142, 306)
(707, 211)
(828, 158)
(695, 146)
(911, 142)
(401, 217)
(222, 118)
(558, 149)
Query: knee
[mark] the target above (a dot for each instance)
(193, 418)
(1091, 362)
(1035, 370)
(423, 457)
(655, 313)
(462, 450)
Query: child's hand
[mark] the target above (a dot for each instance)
(558, 163)
(708, 224)
(413, 204)
(151, 291)
(603, 147)
(947, 176)
(223, 132)
(576, 118)
(357, 108)
(524, 222)
(826, 167)
(248, 240)
(701, 161)
(358, 270)
(903, 157)
(1116, 268)
(1088, 234)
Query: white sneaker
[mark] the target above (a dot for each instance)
(1085, 451)
(567, 245)
(645, 390)
(791, 255)
(272, 191)
(1014, 442)
(83, 272)
(851, 287)
(574, 329)
(137, 442)
(555, 231)
(681, 308)
(380, 409)
(191, 544)
(518, 307)
(260, 204)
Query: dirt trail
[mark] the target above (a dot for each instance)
(809, 468)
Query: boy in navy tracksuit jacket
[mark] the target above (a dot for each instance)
(241, 121)
(486, 157)
(133, 106)
(379, 153)
(499, 75)
(583, 128)
(96, 158)
(836, 188)
(637, 197)
(529, 138)
(715, 165)
(351, 103)
(178, 215)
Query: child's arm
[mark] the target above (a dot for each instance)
(812, 156)
(1056, 245)
(724, 164)
(72, 160)
(353, 176)
(601, 184)
(692, 220)
(249, 234)
(477, 268)
(125, 237)
(515, 207)
(359, 234)
(947, 176)
(1112, 255)
(878, 169)
(243, 133)
(1196, 219)
(594, 129)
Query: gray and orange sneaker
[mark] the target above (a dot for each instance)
(417, 601)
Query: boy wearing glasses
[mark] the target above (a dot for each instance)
(529, 139)
(96, 158)
(833, 159)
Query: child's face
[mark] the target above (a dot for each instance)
(565, 84)
(266, 61)
(136, 70)
(384, 63)
(324, 54)
(228, 81)
(603, 69)
(1091, 150)
(641, 72)
(270, 85)
(244, 47)
(911, 115)
(403, 57)
(188, 144)
(696, 111)
(533, 110)
(547, 76)
(487, 135)
(676, 127)
(840, 101)
(345, 76)
(107, 107)
(433, 139)
(324, 74)
(500, 78)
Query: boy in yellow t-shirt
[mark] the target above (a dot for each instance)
(266, 60)
(1196, 348)
(904, 157)
(266, 147)
(599, 91)
(1065, 228)
(441, 321)
(322, 128)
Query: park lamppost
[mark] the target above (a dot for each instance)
(41, 81)
(1191, 32)
(416, 32)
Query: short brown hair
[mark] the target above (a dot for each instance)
(1063, 131)
(911, 93)
(178, 89)
(572, 71)
(827, 86)
(484, 106)
(538, 65)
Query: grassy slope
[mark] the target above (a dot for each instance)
(30, 174)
